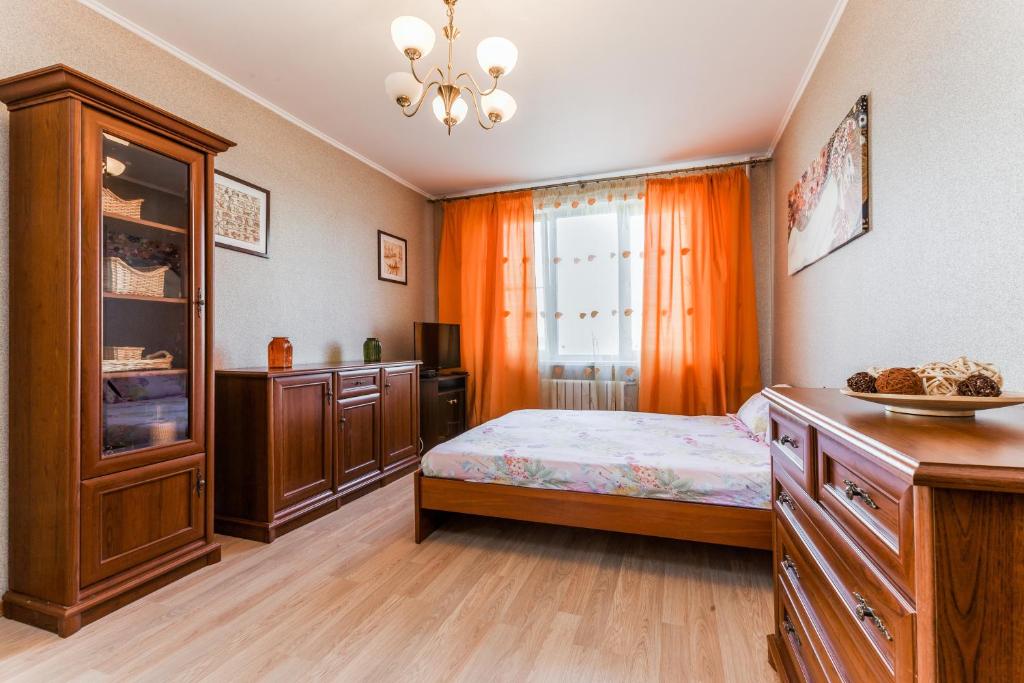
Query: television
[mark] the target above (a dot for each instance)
(437, 345)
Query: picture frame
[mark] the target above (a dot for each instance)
(241, 215)
(392, 258)
(829, 206)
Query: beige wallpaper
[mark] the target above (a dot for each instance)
(320, 285)
(940, 274)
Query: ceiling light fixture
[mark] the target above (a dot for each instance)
(497, 56)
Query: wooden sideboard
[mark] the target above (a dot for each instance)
(299, 443)
(899, 542)
(111, 454)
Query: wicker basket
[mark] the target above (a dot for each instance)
(161, 360)
(120, 278)
(132, 208)
(122, 352)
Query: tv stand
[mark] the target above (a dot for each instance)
(442, 406)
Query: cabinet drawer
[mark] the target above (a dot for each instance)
(351, 384)
(791, 450)
(137, 515)
(793, 630)
(871, 503)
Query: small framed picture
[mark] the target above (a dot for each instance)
(241, 215)
(392, 258)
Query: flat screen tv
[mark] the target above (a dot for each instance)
(437, 345)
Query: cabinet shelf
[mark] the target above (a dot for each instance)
(144, 373)
(144, 223)
(139, 297)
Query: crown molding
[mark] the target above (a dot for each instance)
(150, 37)
(819, 51)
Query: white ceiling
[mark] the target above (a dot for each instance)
(602, 86)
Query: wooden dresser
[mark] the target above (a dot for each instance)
(111, 264)
(899, 542)
(301, 442)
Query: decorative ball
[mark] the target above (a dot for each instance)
(862, 382)
(899, 381)
(978, 385)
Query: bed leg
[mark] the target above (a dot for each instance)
(425, 520)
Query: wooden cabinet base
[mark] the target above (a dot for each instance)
(65, 620)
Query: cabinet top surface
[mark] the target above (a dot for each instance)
(985, 451)
(307, 368)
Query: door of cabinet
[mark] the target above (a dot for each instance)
(135, 516)
(358, 437)
(303, 456)
(453, 403)
(401, 413)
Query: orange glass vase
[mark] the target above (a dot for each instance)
(279, 353)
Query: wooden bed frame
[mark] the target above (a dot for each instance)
(722, 524)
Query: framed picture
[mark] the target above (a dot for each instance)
(392, 258)
(828, 207)
(241, 215)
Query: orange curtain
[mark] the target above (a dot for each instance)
(699, 352)
(486, 285)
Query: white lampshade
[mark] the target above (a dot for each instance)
(412, 33)
(402, 84)
(500, 103)
(497, 54)
(459, 109)
(113, 166)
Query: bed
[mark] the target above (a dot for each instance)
(703, 478)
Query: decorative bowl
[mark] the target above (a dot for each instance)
(941, 406)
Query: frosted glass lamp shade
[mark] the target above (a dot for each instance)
(113, 166)
(413, 37)
(497, 56)
(402, 87)
(459, 109)
(498, 106)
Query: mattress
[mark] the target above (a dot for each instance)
(704, 459)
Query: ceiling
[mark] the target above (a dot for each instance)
(602, 86)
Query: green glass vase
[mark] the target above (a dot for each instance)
(371, 350)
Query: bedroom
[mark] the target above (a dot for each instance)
(243, 522)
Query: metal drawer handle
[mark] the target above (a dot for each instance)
(787, 440)
(864, 611)
(789, 565)
(853, 491)
(787, 500)
(453, 401)
(200, 482)
(788, 627)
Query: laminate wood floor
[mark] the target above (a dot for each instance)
(351, 598)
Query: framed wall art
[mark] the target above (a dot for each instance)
(392, 258)
(241, 215)
(828, 207)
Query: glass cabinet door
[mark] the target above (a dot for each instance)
(149, 317)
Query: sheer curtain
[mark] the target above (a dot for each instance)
(589, 272)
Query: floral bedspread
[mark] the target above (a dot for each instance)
(696, 459)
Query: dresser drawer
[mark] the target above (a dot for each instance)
(793, 630)
(791, 446)
(356, 383)
(870, 502)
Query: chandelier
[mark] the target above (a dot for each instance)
(497, 56)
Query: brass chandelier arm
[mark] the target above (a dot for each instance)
(421, 81)
(411, 110)
(476, 85)
(475, 96)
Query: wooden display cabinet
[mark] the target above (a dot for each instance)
(111, 457)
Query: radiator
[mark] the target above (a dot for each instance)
(583, 394)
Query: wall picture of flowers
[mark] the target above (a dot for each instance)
(241, 215)
(828, 207)
(392, 258)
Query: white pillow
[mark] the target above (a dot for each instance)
(754, 414)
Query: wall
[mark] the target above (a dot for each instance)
(761, 232)
(940, 274)
(320, 284)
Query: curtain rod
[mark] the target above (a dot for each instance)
(652, 174)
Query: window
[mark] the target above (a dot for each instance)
(589, 280)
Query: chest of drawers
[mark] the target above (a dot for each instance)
(898, 542)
